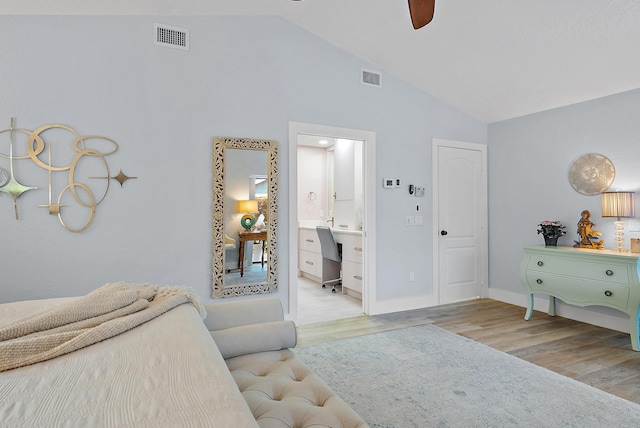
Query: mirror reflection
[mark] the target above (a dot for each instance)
(245, 217)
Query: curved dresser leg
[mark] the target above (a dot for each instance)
(552, 306)
(633, 329)
(527, 315)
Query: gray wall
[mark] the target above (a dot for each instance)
(529, 160)
(243, 77)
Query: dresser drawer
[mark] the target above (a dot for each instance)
(310, 263)
(579, 291)
(309, 240)
(351, 248)
(608, 272)
(352, 276)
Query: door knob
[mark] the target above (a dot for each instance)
(443, 232)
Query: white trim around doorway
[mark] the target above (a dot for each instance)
(369, 217)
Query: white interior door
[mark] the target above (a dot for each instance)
(460, 218)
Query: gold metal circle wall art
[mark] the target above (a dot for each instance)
(63, 177)
(591, 174)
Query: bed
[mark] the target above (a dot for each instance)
(166, 372)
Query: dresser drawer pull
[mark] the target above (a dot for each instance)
(357, 248)
(309, 240)
(540, 263)
(608, 293)
(609, 272)
(539, 281)
(357, 277)
(309, 263)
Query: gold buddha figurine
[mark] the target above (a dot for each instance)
(588, 236)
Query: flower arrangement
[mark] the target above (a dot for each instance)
(551, 229)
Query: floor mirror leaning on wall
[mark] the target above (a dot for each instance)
(245, 216)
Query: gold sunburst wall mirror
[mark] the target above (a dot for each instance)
(245, 217)
(591, 174)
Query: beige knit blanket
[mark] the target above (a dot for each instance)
(106, 312)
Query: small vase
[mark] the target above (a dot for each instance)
(550, 242)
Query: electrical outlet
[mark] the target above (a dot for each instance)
(410, 220)
(418, 221)
(420, 192)
(412, 276)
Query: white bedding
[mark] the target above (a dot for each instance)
(165, 373)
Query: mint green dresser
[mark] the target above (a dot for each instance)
(584, 277)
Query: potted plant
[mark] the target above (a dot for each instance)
(551, 230)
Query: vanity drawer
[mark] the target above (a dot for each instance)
(310, 263)
(309, 240)
(608, 272)
(352, 276)
(579, 291)
(352, 249)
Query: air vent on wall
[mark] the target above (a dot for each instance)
(370, 78)
(171, 37)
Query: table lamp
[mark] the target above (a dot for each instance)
(619, 205)
(249, 207)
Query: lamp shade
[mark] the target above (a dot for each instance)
(618, 204)
(250, 206)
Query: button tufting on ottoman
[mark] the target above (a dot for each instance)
(281, 391)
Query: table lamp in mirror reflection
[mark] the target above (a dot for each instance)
(249, 207)
(618, 205)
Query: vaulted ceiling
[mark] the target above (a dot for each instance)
(493, 59)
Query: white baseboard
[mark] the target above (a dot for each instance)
(399, 305)
(541, 303)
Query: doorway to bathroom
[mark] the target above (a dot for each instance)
(331, 174)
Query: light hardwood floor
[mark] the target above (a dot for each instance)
(593, 355)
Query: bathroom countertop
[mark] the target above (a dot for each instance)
(336, 230)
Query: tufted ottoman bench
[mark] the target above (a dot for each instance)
(281, 391)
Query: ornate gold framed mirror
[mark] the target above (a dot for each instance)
(245, 243)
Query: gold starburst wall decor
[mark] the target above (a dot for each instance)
(34, 152)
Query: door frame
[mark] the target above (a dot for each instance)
(484, 235)
(368, 217)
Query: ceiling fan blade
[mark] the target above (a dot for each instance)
(421, 12)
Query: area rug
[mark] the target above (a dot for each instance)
(428, 377)
(252, 275)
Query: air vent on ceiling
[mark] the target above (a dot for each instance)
(171, 37)
(370, 78)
